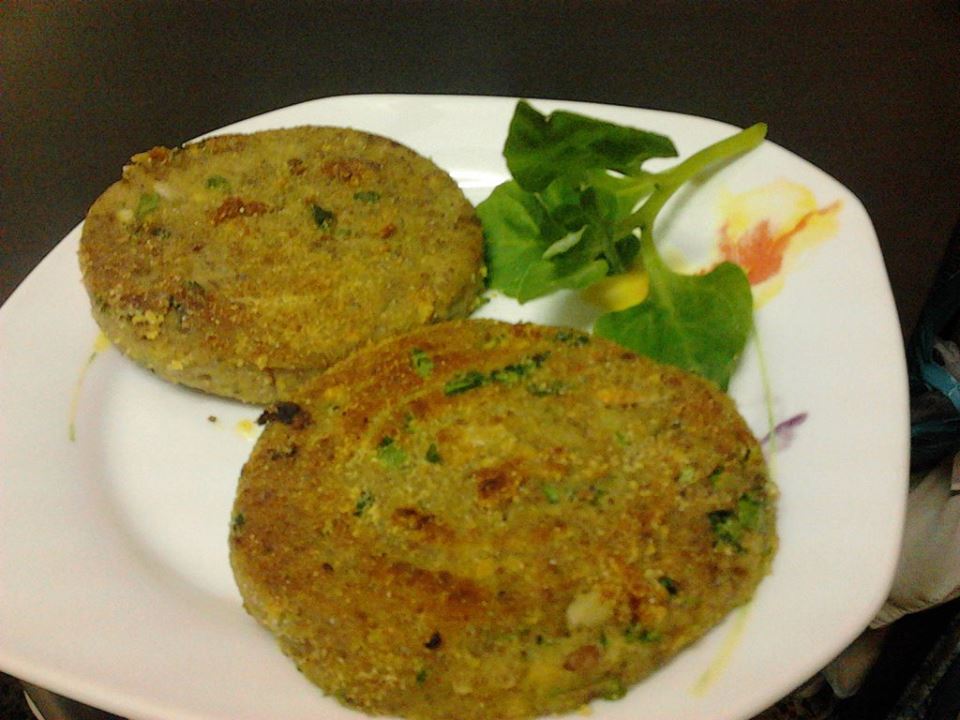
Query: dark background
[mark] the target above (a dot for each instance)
(868, 91)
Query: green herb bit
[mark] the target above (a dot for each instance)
(622, 438)
(322, 217)
(512, 373)
(147, 204)
(726, 528)
(613, 689)
(687, 476)
(669, 584)
(638, 634)
(509, 374)
(421, 676)
(367, 196)
(364, 502)
(433, 454)
(749, 511)
(421, 363)
(238, 521)
(389, 453)
(730, 525)
(581, 207)
(570, 337)
(218, 182)
(596, 495)
(464, 382)
(552, 494)
(545, 389)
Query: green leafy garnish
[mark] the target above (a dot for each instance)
(581, 207)
(539, 148)
(697, 322)
(367, 196)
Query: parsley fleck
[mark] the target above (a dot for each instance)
(389, 453)
(463, 382)
(614, 689)
(545, 389)
(147, 204)
(218, 182)
(638, 634)
(552, 494)
(669, 584)
(571, 337)
(363, 502)
(421, 363)
(322, 217)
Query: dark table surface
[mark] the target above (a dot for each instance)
(868, 91)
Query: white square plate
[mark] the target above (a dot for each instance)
(115, 488)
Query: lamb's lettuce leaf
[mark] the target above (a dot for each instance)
(697, 322)
(581, 207)
(540, 148)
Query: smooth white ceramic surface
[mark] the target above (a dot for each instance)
(115, 587)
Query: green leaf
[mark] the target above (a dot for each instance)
(519, 232)
(696, 322)
(563, 244)
(541, 148)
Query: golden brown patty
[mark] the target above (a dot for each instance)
(244, 264)
(484, 520)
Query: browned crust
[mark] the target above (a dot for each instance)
(516, 548)
(242, 265)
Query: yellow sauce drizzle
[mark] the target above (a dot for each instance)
(722, 659)
(730, 642)
(99, 345)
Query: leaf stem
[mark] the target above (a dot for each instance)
(669, 181)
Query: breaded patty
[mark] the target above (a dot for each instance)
(485, 520)
(243, 265)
